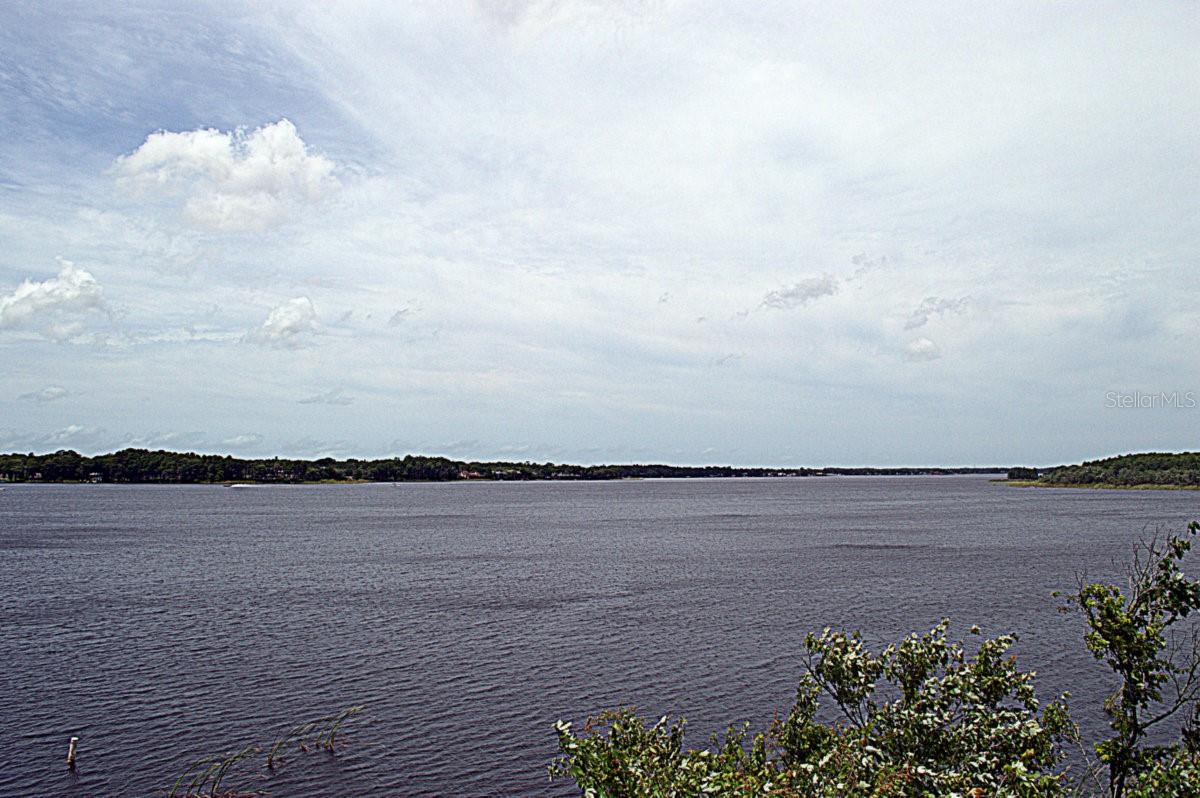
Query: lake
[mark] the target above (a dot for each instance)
(162, 624)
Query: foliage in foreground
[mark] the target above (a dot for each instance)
(926, 717)
(951, 723)
(1136, 633)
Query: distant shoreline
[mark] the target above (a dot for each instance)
(351, 482)
(484, 481)
(141, 466)
(1141, 471)
(1031, 483)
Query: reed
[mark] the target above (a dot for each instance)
(338, 720)
(229, 762)
(204, 777)
(322, 732)
(207, 774)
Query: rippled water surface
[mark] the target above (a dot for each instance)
(163, 624)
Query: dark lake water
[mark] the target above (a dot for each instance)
(164, 624)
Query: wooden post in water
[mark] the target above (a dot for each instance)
(71, 753)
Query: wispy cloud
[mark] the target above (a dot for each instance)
(933, 306)
(51, 393)
(557, 231)
(801, 293)
(334, 396)
(921, 349)
(73, 436)
(317, 447)
(864, 265)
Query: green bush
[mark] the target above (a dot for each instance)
(929, 716)
(952, 723)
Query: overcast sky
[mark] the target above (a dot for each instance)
(681, 232)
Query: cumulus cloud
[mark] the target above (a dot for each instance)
(934, 306)
(801, 293)
(231, 181)
(334, 396)
(921, 349)
(288, 326)
(51, 393)
(541, 216)
(53, 302)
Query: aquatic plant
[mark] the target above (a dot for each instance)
(322, 732)
(208, 774)
(204, 777)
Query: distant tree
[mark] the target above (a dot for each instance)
(1152, 468)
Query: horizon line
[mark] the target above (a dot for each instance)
(345, 458)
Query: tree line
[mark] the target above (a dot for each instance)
(1127, 470)
(143, 465)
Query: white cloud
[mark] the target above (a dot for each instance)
(146, 242)
(245, 441)
(51, 393)
(801, 293)
(712, 151)
(334, 396)
(921, 349)
(64, 330)
(72, 436)
(53, 302)
(288, 326)
(231, 181)
(172, 441)
(316, 447)
(864, 265)
(934, 306)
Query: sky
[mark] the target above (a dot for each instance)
(684, 232)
